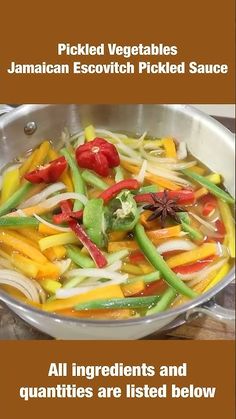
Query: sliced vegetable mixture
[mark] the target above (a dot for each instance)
(112, 226)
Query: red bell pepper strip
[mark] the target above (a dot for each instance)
(49, 173)
(209, 203)
(136, 257)
(183, 196)
(93, 250)
(220, 227)
(98, 155)
(67, 214)
(193, 267)
(111, 192)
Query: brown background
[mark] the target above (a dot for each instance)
(26, 364)
(203, 30)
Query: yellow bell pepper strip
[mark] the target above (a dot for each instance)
(65, 176)
(110, 291)
(40, 156)
(55, 252)
(29, 238)
(220, 275)
(57, 239)
(22, 246)
(15, 199)
(89, 133)
(198, 169)
(48, 270)
(201, 252)
(50, 285)
(169, 146)
(32, 210)
(131, 269)
(200, 193)
(228, 221)
(126, 244)
(10, 184)
(25, 265)
(133, 288)
(214, 178)
(163, 233)
(215, 190)
(159, 263)
(44, 229)
(27, 163)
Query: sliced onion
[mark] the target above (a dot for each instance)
(115, 266)
(18, 213)
(116, 136)
(174, 245)
(21, 282)
(97, 273)
(182, 150)
(203, 222)
(54, 226)
(63, 265)
(41, 196)
(141, 175)
(207, 271)
(128, 151)
(67, 293)
(55, 200)
(5, 263)
(41, 292)
(166, 173)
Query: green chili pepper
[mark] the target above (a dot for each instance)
(119, 175)
(123, 212)
(147, 189)
(165, 300)
(192, 232)
(158, 262)
(76, 177)
(153, 276)
(93, 220)
(117, 303)
(215, 190)
(18, 222)
(73, 282)
(184, 217)
(94, 180)
(80, 259)
(15, 199)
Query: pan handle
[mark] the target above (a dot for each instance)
(215, 309)
(5, 109)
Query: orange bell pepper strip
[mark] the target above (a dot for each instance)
(46, 230)
(27, 163)
(201, 252)
(149, 225)
(157, 180)
(98, 314)
(133, 288)
(120, 245)
(39, 157)
(163, 233)
(117, 235)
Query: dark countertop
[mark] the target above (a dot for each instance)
(202, 328)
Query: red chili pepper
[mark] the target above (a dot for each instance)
(98, 155)
(154, 288)
(93, 250)
(67, 214)
(194, 267)
(184, 196)
(209, 203)
(136, 257)
(49, 173)
(118, 187)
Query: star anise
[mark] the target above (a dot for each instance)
(163, 208)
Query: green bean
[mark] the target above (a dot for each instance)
(215, 190)
(15, 199)
(192, 232)
(77, 179)
(18, 222)
(85, 261)
(94, 180)
(163, 303)
(147, 189)
(119, 175)
(158, 262)
(118, 303)
(153, 276)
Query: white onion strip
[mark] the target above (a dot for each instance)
(182, 150)
(41, 196)
(97, 273)
(54, 226)
(141, 175)
(203, 222)
(207, 271)
(174, 245)
(55, 200)
(63, 265)
(21, 282)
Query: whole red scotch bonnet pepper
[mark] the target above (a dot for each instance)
(49, 173)
(98, 155)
